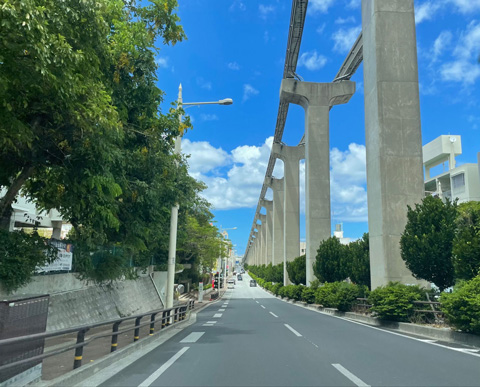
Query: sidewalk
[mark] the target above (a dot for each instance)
(61, 364)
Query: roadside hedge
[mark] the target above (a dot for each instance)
(462, 306)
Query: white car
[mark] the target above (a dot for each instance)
(231, 283)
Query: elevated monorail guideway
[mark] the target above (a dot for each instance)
(348, 68)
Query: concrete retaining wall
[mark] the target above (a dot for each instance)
(101, 303)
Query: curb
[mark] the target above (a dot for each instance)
(443, 334)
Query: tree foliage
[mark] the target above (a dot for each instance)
(297, 270)
(20, 254)
(360, 261)
(426, 243)
(82, 130)
(332, 262)
(466, 244)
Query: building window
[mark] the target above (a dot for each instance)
(458, 181)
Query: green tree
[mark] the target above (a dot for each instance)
(360, 257)
(426, 243)
(466, 244)
(332, 261)
(297, 270)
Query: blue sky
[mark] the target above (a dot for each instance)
(236, 49)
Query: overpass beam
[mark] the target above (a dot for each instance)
(316, 99)
(393, 132)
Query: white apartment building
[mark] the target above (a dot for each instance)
(452, 182)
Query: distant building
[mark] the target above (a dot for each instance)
(462, 183)
(26, 215)
(338, 233)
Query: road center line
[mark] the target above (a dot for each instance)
(217, 315)
(211, 322)
(208, 325)
(147, 382)
(221, 310)
(293, 330)
(192, 337)
(262, 306)
(257, 302)
(350, 376)
(273, 314)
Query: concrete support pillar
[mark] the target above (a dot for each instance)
(260, 242)
(57, 229)
(278, 220)
(255, 247)
(393, 132)
(316, 99)
(268, 205)
(263, 219)
(291, 156)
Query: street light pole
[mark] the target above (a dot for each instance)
(172, 246)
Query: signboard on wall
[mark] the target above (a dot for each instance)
(64, 260)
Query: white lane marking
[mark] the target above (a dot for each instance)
(224, 305)
(392, 333)
(465, 350)
(262, 306)
(293, 330)
(273, 314)
(208, 325)
(148, 381)
(427, 341)
(192, 337)
(221, 310)
(350, 376)
(211, 322)
(217, 315)
(257, 302)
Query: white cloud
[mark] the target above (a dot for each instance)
(312, 60)
(233, 66)
(320, 5)
(321, 28)
(208, 117)
(204, 84)
(344, 38)
(466, 6)
(348, 183)
(240, 186)
(162, 62)
(265, 10)
(237, 4)
(441, 43)
(248, 91)
(464, 68)
(354, 4)
(346, 20)
(203, 157)
(427, 10)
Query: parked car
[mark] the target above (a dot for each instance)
(253, 283)
(239, 277)
(231, 284)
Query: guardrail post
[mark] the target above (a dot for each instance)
(136, 334)
(79, 350)
(169, 319)
(175, 316)
(152, 323)
(164, 319)
(113, 348)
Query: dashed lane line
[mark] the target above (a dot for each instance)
(192, 337)
(147, 382)
(349, 375)
(273, 314)
(293, 330)
(217, 315)
(262, 306)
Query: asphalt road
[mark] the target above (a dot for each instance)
(250, 338)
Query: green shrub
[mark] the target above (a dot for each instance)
(340, 295)
(308, 295)
(394, 301)
(282, 292)
(462, 307)
(276, 288)
(295, 292)
(325, 295)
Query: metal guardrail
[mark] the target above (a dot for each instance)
(169, 317)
